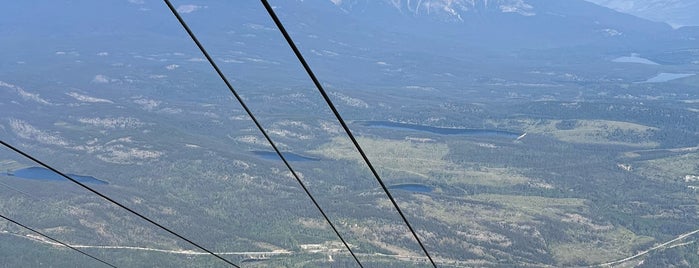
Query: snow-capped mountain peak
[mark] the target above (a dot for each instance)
(451, 9)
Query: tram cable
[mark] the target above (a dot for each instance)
(322, 91)
(259, 126)
(115, 202)
(56, 240)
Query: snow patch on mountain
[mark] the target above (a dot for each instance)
(519, 7)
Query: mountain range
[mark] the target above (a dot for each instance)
(484, 23)
(358, 33)
(538, 24)
(674, 12)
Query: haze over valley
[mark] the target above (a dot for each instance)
(528, 133)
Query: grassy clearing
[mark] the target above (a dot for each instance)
(618, 243)
(587, 241)
(535, 205)
(603, 132)
(670, 168)
(426, 161)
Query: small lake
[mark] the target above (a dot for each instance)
(43, 174)
(271, 155)
(442, 130)
(664, 77)
(412, 187)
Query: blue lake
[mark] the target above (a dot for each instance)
(442, 130)
(664, 77)
(43, 174)
(271, 155)
(412, 187)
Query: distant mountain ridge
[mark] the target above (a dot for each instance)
(493, 23)
(675, 12)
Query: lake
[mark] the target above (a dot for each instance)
(441, 130)
(412, 187)
(271, 155)
(664, 77)
(43, 174)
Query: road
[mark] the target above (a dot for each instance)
(171, 251)
(612, 263)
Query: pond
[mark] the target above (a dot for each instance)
(271, 155)
(412, 187)
(441, 130)
(43, 174)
